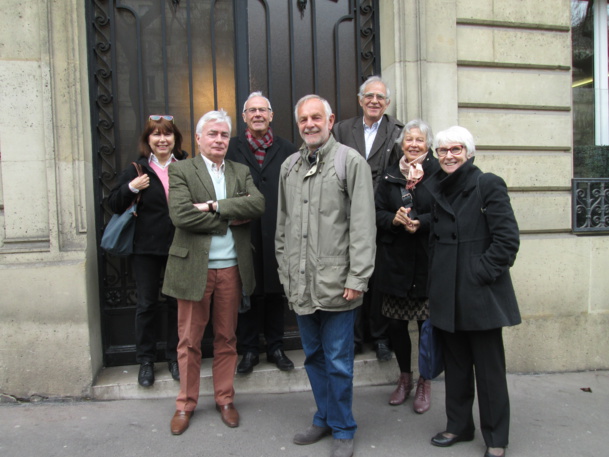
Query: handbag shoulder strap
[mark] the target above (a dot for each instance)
(140, 172)
(138, 168)
(478, 190)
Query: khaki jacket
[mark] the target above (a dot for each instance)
(190, 182)
(325, 238)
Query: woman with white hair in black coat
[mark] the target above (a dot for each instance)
(474, 239)
(403, 216)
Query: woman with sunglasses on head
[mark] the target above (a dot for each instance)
(403, 216)
(160, 144)
(473, 243)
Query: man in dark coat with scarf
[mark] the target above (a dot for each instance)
(263, 152)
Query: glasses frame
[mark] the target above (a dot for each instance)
(373, 95)
(452, 151)
(261, 110)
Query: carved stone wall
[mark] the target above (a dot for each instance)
(502, 69)
(49, 319)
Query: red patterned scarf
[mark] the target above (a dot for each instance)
(259, 146)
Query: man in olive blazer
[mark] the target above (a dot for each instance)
(210, 203)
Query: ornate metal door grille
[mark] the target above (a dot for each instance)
(186, 57)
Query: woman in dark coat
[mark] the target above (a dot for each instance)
(160, 144)
(473, 243)
(403, 208)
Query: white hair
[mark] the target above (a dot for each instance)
(214, 116)
(257, 94)
(327, 107)
(456, 134)
(370, 80)
(417, 124)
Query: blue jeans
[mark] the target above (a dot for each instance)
(327, 341)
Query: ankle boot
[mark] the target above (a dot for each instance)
(402, 391)
(422, 397)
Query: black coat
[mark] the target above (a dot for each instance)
(471, 251)
(266, 179)
(401, 261)
(384, 151)
(153, 227)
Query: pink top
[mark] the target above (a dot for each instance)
(163, 174)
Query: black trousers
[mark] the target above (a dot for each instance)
(266, 316)
(476, 360)
(370, 324)
(147, 270)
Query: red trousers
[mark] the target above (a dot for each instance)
(224, 285)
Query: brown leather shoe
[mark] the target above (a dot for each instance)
(402, 391)
(180, 422)
(422, 397)
(230, 415)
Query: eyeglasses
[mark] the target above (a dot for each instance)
(158, 117)
(371, 95)
(455, 150)
(259, 110)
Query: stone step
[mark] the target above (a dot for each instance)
(120, 383)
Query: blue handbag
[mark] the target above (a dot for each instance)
(431, 358)
(118, 234)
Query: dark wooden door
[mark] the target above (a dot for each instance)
(186, 57)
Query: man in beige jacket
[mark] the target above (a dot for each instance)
(325, 251)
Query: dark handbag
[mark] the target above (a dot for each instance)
(431, 358)
(118, 234)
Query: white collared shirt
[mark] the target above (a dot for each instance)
(217, 176)
(370, 134)
(155, 159)
(213, 168)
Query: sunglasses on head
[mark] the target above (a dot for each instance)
(158, 117)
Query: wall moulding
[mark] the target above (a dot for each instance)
(515, 66)
(513, 25)
(25, 245)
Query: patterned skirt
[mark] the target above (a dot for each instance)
(405, 308)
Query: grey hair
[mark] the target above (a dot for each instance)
(257, 94)
(370, 80)
(214, 116)
(327, 107)
(417, 124)
(456, 134)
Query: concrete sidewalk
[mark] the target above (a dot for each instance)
(551, 416)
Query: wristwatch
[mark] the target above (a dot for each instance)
(210, 206)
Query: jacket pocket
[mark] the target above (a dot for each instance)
(178, 251)
(330, 279)
(478, 272)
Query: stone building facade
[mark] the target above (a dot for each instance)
(498, 67)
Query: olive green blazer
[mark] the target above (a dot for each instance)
(189, 183)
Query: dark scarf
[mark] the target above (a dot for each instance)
(451, 185)
(259, 146)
